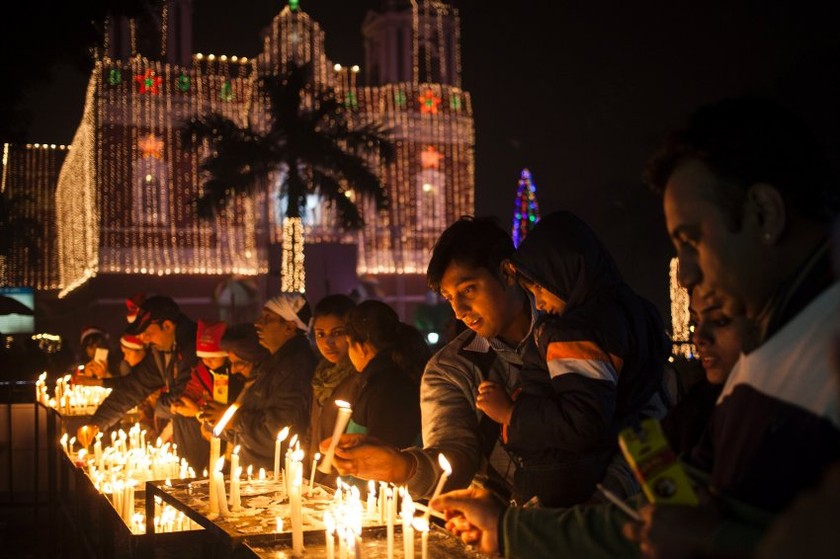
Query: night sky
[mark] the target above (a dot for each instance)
(577, 91)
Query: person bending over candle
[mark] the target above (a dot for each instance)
(281, 390)
(466, 269)
(389, 356)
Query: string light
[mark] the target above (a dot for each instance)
(124, 196)
(526, 210)
(293, 275)
(680, 318)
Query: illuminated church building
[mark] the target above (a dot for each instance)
(123, 200)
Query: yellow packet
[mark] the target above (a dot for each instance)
(663, 478)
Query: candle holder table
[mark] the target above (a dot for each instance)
(441, 545)
(263, 501)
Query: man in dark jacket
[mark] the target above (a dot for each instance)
(282, 388)
(170, 336)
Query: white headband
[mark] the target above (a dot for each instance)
(287, 306)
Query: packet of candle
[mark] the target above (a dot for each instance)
(655, 465)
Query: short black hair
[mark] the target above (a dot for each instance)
(747, 140)
(336, 304)
(479, 242)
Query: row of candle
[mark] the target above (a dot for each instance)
(70, 399)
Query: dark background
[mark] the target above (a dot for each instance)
(577, 91)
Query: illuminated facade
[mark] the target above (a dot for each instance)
(125, 192)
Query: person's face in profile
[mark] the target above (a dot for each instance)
(725, 260)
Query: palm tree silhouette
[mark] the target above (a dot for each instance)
(310, 139)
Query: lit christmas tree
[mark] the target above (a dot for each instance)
(526, 212)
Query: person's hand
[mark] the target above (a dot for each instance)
(675, 531)
(473, 515)
(86, 434)
(369, 458)
(494, 401)
(213, 411)
(184, 406)
(83, 380)
(95, 369)
(206, 432)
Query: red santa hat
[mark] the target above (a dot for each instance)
(131, 342)
(132, 306)
(207, 339)
(89, 331)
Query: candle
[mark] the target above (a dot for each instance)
(278, 523)
(389, 503)
(407, 514)
(421, 525)
(295, 474)
(329, 523)
(235, 474)
(97, 451)
(215, 450)
(371, 500)
(281, 436)
(341, 420)
(287, 486)
(312, 473)
(220, 487)
(261, 476)
(64, 443)
(447, 471)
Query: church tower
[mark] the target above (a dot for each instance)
(163, 33)
(414, 41)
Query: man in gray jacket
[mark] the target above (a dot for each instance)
(467, 270)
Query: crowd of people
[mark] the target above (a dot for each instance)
(556, 357)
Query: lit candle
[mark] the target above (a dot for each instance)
(421, 525)
(371, 500)
(341, 420)
(220, 487)
(447, 471)
(261, 475)
(287, 484)
(407, 514)
(312, 473)
(295, 473)
(278, 523)
(281, 436)
(97, 451)
(389, 503)
(215, 450)
(329, 523)
(64, 443)
(235, 474)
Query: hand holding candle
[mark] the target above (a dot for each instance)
(341, 420)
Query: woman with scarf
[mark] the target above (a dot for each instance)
(603, 350)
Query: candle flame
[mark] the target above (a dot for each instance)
(279, 521)
(317, 456)
(444, 463)
(217, 430)
(293, 440)
(236, 449)
(284, 432)
(43, 376)
(420, 524)
(220, 464)
(342, 404)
